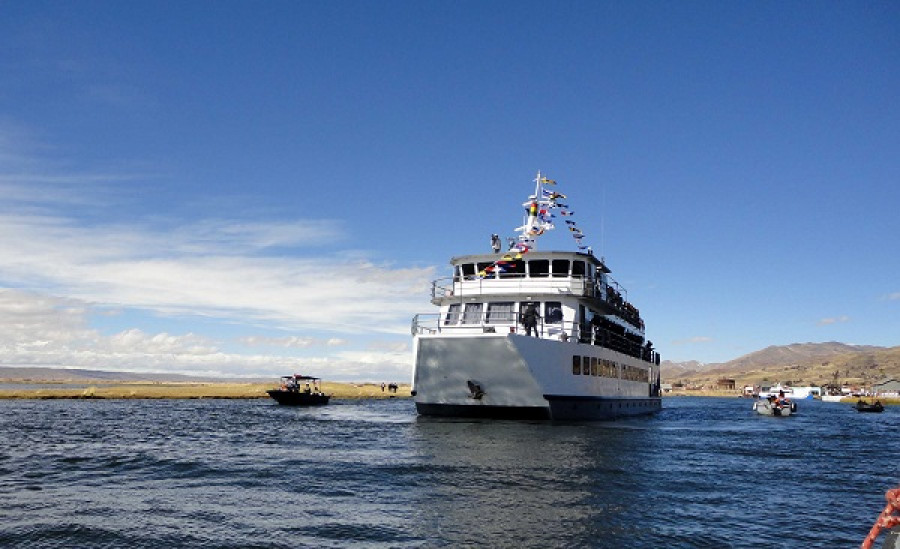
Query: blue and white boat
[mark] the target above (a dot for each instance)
(588, 357)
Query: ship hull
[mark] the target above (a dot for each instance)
(519, 377)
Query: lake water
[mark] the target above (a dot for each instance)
(704, 472)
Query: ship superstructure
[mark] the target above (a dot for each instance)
(587, 356)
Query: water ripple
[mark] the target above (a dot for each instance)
(221, 474)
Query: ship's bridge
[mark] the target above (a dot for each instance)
(573, 274)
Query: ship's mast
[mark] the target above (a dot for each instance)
(531, 227)
(538, 219)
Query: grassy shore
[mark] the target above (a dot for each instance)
(158, 390)
(135, 390)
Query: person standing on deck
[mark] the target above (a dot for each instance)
(495, 243)
(530, 318)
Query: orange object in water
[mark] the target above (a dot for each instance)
(887, 519)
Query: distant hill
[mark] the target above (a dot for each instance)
(671, 370)
(79, 375)
(799, 363)
(776, 355)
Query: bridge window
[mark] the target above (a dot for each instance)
(578, 269)
(593, 365)
(576, 365)
(560, 267)
(482, 266)
(452, 314)
(468, 270)
(500, 312)
(538, 268)
(512, 269)
(585, 366)
(473, 313)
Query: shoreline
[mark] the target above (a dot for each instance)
(154, 390)
(107, 390)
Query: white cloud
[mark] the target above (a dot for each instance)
(295, 342)
(695, 339)
(833, 320)
(44, 331)
(266, 274)
(224, 276)
(392, 346)
(134, 341)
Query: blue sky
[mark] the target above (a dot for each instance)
(256, 188)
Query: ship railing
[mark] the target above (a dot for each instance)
(510, 284)
(493, 323)
(611, 293)
(490, 323)
(630, 346)
(617, 297)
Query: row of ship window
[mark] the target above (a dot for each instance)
(602, 367)
(535, 268)
(500, 312)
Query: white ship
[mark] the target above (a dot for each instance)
(587, 357)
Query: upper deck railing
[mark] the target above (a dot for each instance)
(609, 294)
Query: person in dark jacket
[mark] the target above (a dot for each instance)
(530, 319)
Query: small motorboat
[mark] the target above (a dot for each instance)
(773, 407)
(877, 407)
(291, 393)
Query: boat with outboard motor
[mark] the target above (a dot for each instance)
(289, 392)
(773, 406)
(530, 334)
(872, 407)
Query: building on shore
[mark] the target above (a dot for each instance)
(887, 387)
(725, 384)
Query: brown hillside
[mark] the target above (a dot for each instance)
(799, 364)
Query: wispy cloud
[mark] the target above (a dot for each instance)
(47, 331)
(263, 274)
(833, 320)
(220, 270)
(292, 342)
(695, 339)
(893, 297)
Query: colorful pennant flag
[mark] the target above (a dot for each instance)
(539, 209)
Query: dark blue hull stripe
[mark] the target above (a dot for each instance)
(559, 407)
(576, 407)
(477, 410)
